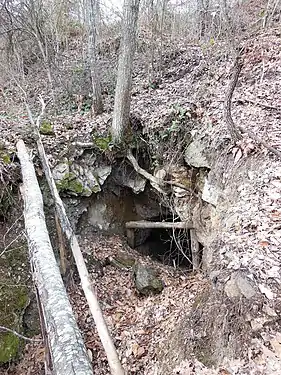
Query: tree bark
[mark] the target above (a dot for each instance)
(121, 113)
(91, 20)
(68, 353)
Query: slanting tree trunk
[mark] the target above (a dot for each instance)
(121, 114)
(67, 350)
(91, 21)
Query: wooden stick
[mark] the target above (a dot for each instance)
(155, 225)
(195, 250)
(62, 249)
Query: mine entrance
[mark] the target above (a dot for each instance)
(172, 243)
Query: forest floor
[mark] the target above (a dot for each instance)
(138, 324)
(193, 75)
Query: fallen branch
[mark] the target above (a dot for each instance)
(259, 140)
(111, 353)
(143, 224)
(154, 180)
(258, 104)
(235, 134)
(5, 329)
(142, 171)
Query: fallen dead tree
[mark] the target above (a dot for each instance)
(66, 351)
(87, 285)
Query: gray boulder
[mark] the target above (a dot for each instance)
(146, 281)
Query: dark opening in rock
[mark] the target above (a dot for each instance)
(171, 246)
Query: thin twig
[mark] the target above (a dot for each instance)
(5, 329)
(11, 227)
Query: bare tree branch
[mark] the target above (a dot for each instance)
(5, 329)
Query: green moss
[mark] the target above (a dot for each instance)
(96, 189)
(5, 157)
(14, 300)
(46, 128)
(63, 184)
(71, 183)
(75, 186)
(9, 347)
(103, 143)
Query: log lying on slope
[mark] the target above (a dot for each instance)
(67, 351)
(88, 289)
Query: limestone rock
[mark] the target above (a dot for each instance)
(210, 193)
(79, 180)
(137, 184)
(98, 216)
(127, 176)
(195, 155)
(122, 261)
(239, 286)
(146, 281)
(60, 171)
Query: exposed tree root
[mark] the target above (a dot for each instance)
(234, 130)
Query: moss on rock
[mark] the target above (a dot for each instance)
(14, 300)
(46, 128)
(69, 182)
(5, 157)
(103, 143)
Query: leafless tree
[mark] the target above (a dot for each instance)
(121, 112)
(91, 12)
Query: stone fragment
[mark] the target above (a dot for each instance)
(146, 281)
(195, 155)
(239, 286)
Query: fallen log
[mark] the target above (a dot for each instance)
(68, 355)
(142, 224)
(86, 283)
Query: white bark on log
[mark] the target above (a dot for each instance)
(107, 342)
(158, 225)
(67, 350)
(111, 353)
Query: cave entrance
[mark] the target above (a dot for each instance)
(172, 243)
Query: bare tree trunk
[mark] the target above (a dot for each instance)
(163, 10)
(43, 50)
(121, 114)
(91, 19)
(67, 351)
